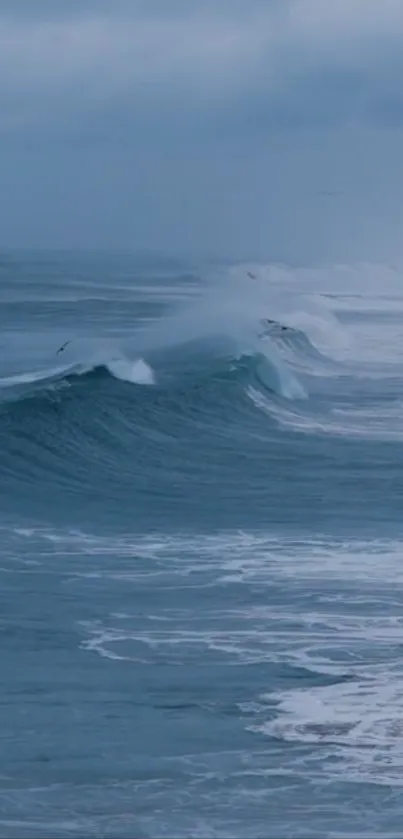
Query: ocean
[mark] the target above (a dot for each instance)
(201, 520)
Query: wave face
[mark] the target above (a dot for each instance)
(201, 513)
(181, 376)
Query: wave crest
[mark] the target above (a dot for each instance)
(22, 385)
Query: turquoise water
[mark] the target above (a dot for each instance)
(201, 521)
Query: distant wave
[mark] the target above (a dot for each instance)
(24, 384)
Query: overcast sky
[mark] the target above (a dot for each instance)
(263, 129)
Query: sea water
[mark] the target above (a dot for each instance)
(201, 522)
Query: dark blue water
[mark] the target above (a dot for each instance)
(201, 522)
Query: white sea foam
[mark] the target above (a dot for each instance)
(313, 300)
(137, 372)
(369, 301)
(333, 610)
(375, 422)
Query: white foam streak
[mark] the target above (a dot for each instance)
(382, 423)
(332, 613)
(32, 377)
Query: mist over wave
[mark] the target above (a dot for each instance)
(226, 321)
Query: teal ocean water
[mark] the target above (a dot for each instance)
(201, 549)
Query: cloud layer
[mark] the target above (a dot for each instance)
(225, 95)
(304, 60)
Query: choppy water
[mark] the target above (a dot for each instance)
(201, 550)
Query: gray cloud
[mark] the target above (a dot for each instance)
(303, 60)
(212, 123)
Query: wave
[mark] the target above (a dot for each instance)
(103, 410)
(155, 415)
(274, 358)
(24, 384)
(223, 325)
(173, 404)
(210, 381)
